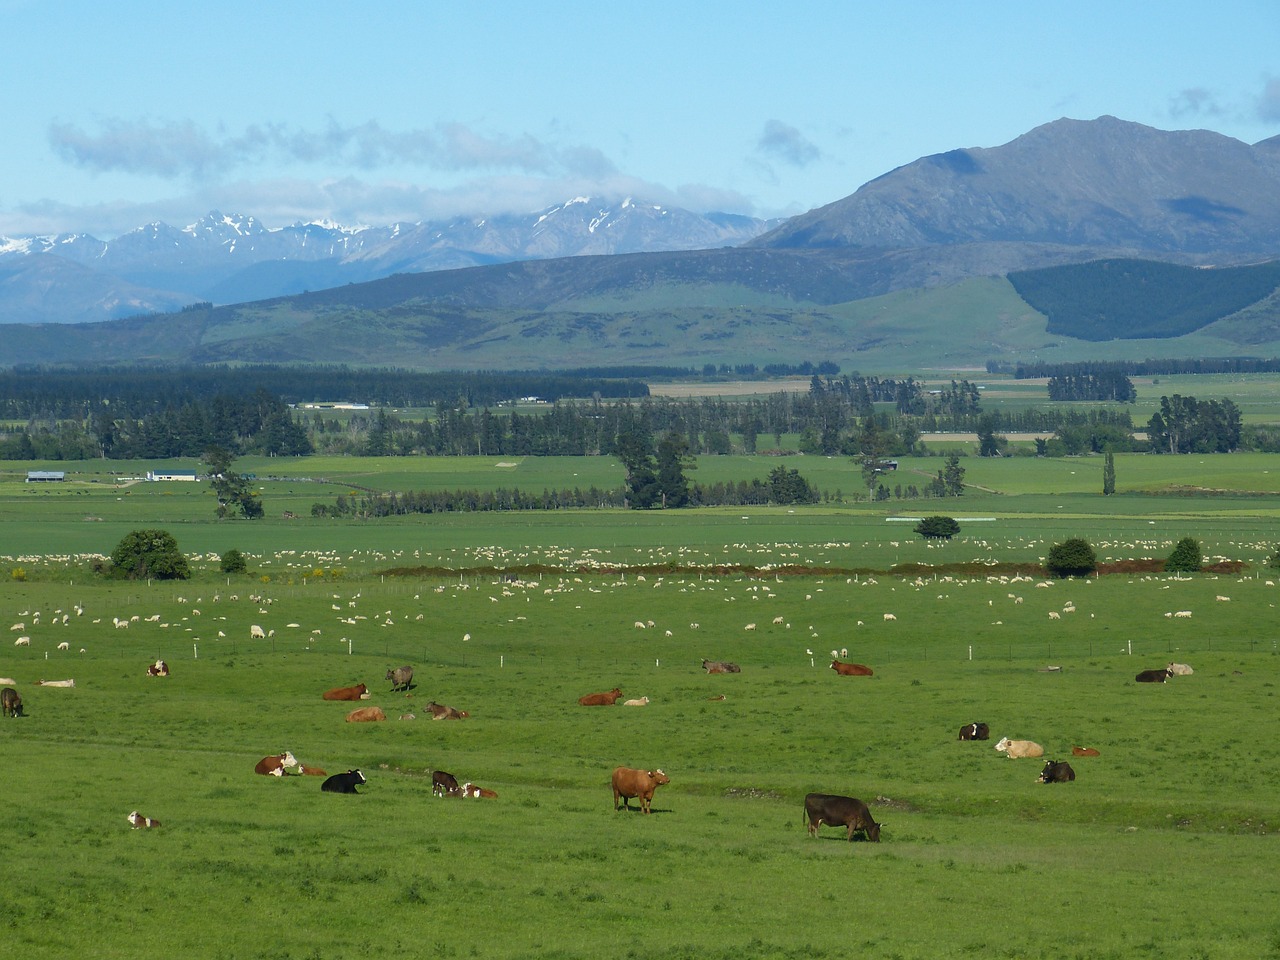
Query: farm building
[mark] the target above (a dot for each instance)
(189, 475)
(45, 476)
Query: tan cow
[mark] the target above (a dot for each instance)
(628, 783)
(1016, 749)
(365, 714)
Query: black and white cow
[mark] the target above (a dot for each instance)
(975, 731)
(344, 782)
(1056, 771)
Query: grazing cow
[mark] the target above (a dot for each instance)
(720, 666)
(343, 782)
(1084, 752)
(158, 669)
(443, 784)
(641, 702)
(401, 678)
(358, 692)
(276, 766)
(975, 731)
(1016, 749)
(55, 683)
(850, 669)
(140, 822)
(475, 793)
(365, 715)
(1179, 670)
(440, 712)
(836, 811)
(257, 633)
(628, 783)
(1154, 676)
(601, 699)
(1056, 771)
(11, 702)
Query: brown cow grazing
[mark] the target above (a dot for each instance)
(440, 712)
(975, 731)
(1154, 676)
(11, 702)
(1084, 752)
(837, 811)
(358, 692)
(850, 669)
(720, 666)
(628, 783)
(140, 822)
(365, 715)
(1056, 771)
(443, 784)
(158, 669)
(277, 766)
(601, 699)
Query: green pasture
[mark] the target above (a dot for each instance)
(1180, 795)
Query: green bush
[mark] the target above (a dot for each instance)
(937, 528)
(232, 562)
(1071, 558)
(1186, 557)
(149, 555)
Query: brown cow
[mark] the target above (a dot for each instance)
(158, 669)
(974, 731)
(311, 771)
(838, 811)
(140, 822)
(474, 792)
(443, 784)
(720, 666)
(1084, 752)
(850, 669)
(601, 699)
(11, 701)
(628, 783)
(277, 766)
(440, 712)
(358, 692)
(365, 714)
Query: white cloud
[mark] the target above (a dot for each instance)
(787, 144)
(1195, 102)
(1268, 104)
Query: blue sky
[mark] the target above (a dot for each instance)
(120, 113)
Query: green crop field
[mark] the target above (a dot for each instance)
(1164, 846)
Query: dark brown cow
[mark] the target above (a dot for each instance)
(357, 692)
(838, 811)
(11, 702)
(601, 699)
(1056, 771)
(440, 712)
(720, 666)
(975, 731)
(628, 783)
(443, 784)
(1084, 752)
(850, 669)
(1153, 676)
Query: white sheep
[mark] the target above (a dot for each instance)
(890, 616)
(257, 633)
(1054, 615)
(23, 641)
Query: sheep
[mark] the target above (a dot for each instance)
(890, 616)
(64, 645)
(640, 702)
(257, 633)
(1054, 615)
(778, 621)
(18, 627)
(1183, 614)
(749, 626)
(639, 624)
(22, 642)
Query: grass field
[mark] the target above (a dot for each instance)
(1163, 847)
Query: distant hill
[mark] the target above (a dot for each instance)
(947, 262)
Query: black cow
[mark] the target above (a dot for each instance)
(443, 784)
(401, 678)
(1154, 676)
(1056, 771)
(837, 811)
(344, 782)
(11, 702)
(975, 731)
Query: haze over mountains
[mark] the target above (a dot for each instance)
(910, 268)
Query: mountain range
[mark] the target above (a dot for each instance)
(910, 270)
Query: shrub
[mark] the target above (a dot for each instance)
(1071, 558)
(232, 562)
(149, 554)
(1186, 557)
(937, 528)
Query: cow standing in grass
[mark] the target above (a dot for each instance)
(837, 811)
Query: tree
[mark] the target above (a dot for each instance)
(1186, 557)
(672, 461)
(937, 528)
(953, 477)
(232, 562)
(150, 555)
(643, 490)
(233, 490)
(1071, 558)
(1109, 474)
(786, 486)
(990, 443)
